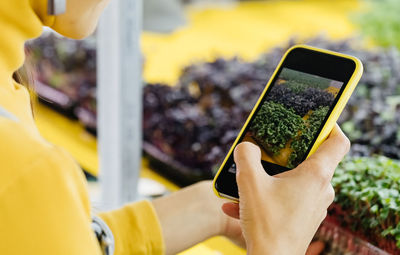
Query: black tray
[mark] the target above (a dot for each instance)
(55, 99)
(170, 168)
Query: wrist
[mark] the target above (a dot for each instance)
(267, 246)
(212, 208)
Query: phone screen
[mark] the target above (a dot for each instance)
(290, 116)
(291, 113)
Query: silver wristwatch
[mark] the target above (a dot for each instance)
(104, 235)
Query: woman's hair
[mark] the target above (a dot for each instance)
(20, 77)
(24, 76)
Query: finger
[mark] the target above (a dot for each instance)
(315, 248)
(335, 147)
(325, 160)
(231, 209)
(249, 169)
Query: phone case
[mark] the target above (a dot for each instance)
(333, 117)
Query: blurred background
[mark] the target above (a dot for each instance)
(204, 64)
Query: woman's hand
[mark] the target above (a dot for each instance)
(280, 214)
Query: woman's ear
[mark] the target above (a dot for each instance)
(56, 7)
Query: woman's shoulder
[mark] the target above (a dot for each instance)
(19, 143)
(24, 152)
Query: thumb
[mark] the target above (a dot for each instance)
(249, 169)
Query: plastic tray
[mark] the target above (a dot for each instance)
(339, 241)
(170, 168)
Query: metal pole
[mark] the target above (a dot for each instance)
(119, 101)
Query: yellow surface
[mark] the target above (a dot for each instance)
(215, 246)
(245, 30)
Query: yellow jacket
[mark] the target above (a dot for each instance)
(44, 204)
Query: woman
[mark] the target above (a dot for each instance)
(44, 205)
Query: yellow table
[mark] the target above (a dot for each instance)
(245, 30)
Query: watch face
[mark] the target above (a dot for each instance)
(292, 112)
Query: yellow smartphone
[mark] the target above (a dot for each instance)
(295, 113)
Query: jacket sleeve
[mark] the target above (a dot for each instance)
(136, 229)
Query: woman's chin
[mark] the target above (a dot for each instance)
(75, 30)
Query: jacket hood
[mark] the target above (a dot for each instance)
(20, 20)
